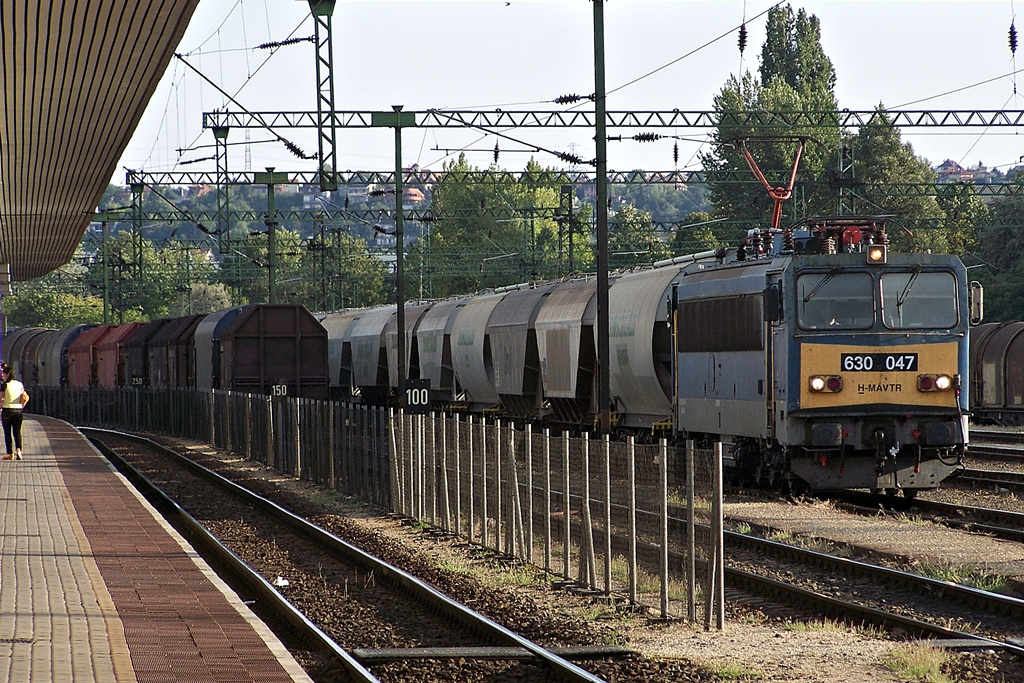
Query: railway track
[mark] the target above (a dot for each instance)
(428, 630)
(807, 595)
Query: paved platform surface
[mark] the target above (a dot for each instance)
(96, 586)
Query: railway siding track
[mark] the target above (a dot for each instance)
(1013, 481)
(859, 591)
(1004, 524)
(504, 644)
(992, 603)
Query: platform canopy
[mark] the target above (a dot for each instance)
(77, 76)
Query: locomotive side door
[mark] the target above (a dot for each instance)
(775, 361)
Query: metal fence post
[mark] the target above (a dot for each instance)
(547, 499)
(588, 562)
(716, 512)
(566, 512)
(529, 494)
(472, 488)
(483, 481)
(458, 475)
(397, 501)
(445, 500)
(431, 421)
(664, 529)
(631, 485)
(691, 536)
(606, 447)
(516, 538)
(498, 501)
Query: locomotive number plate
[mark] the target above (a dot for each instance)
(878, 362)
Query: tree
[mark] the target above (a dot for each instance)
(38, 307)
(880, 157)
(632, 238)
(338, 271)
(795, 75)
(695, 234)
(792, 53)
(201, 297)
(490, 234)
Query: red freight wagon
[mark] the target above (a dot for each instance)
(82, 368)
(110, 356)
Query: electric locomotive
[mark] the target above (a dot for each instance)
(824, 361)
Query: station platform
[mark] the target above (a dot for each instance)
(96, 586)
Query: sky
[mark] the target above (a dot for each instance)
(519, 55)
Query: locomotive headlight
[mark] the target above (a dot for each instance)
(934, 382)
(876, 253)
(827, 384)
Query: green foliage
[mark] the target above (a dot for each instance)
(498, 233)
(664, 202)
(836, 170)
(795, 76)
(506, 231)
(880, 157)
(917, 662)
(37, 307)
(695, 234)
(632, 238)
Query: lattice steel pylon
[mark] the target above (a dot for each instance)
(220, 134)
(322, 11)
(846, 181)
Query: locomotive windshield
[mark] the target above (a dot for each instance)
(835, 300)
(843, 300)
(915, 300)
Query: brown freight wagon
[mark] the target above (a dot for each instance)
(135, 353)
(276, 349)
(165, 368)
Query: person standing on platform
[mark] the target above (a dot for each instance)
(12, 410)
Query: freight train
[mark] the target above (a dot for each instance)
(820, 359)
(997, 373)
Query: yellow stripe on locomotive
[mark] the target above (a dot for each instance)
(836, 375)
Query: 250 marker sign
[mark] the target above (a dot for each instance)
(878, 362)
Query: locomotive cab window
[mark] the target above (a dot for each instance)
(916, 300)
(835, 300)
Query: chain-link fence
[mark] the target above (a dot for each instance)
(638, 521)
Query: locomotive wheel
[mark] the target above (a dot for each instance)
(910, 494)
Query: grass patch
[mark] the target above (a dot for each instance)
(731, 671)
(779, 535)
(456, 566)
(827, 626)
(743, 528)
(831, 626)
(966, 576)
(645, 581)
(917, 662)
(916, 520)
